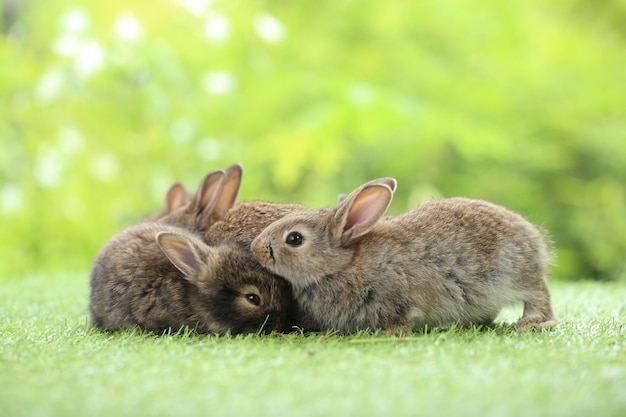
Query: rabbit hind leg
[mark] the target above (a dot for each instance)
(537, 311)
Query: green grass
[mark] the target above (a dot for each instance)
(52, 363)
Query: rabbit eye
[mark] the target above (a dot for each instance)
(294, 239)
(253, 299)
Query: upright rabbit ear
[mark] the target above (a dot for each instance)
(176, 197)
(357, 213)
(226, 199)
(186, 253)
(206, 198)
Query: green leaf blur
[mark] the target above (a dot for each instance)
(105, 104)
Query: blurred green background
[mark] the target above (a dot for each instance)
(104, 104)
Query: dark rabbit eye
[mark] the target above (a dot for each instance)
(294, 239)
(253, 299)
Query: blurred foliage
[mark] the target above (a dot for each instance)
(104, 104)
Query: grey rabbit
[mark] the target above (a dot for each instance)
(156, 277)
(133, 261)
(139, 281)
(446, 261)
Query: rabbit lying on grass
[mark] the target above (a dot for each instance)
(447, 261)
(159, 275)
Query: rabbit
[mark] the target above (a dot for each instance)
(133, 261)
(222, 219)
(135, 255)
(215, 195)
(176, 197)
(447, 261)
(238, 224)
(160, 277)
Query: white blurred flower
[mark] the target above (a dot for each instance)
(269, 28)
(105, 167)
(88, 55)
(127, 27)
(70, 140)
(89, 59)
(196, 7)
(75, 21)
(49, 166)
(209, 149)
(50, 85)
(67, 45)
(219, 82)
(11, 199)
(216, 28)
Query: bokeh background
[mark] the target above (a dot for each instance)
(103, 104)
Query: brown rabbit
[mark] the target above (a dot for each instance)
(447, 261)
(146, 262)
(222, 219)
(215, 195)
(242, 222)
(176, 197)
(133, 256)
(156, 277)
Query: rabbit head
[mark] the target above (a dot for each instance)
(307, 245)
(234, 293)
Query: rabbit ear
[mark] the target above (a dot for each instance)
(357, 213)
(184, 252)
(175, 197)
(226, 199)
(207, 195)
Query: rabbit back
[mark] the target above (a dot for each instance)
(475, 257)
(134, 284)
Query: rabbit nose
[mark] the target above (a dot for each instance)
(263, 251)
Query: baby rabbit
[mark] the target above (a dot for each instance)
(157, 277)
(133, 283)
(177, 196)
(447, 261)
(215, 195)
(242, 222)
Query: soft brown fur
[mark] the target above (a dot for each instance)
(134, 257)
(242, 223)
(209, 289)
(447, 261)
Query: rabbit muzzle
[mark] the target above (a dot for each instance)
(264, 252)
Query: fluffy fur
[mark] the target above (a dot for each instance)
(158, 277)
(447, 261)
(133, 260)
